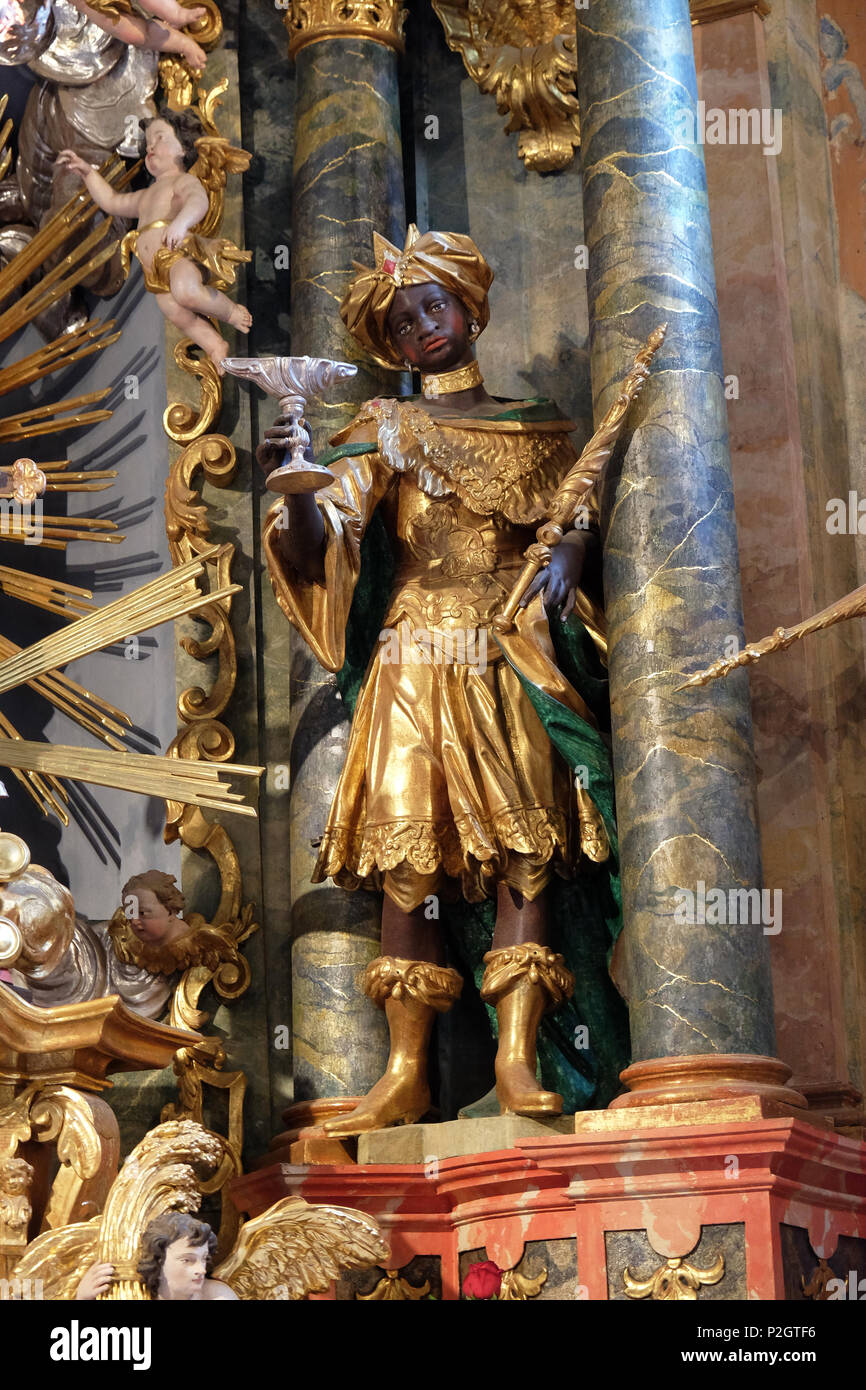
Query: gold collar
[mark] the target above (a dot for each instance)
(444, 383)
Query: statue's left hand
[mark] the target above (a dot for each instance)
(560, 579)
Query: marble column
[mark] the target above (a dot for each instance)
(347, 181)
(698, 983)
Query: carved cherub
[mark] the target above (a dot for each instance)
(175, 1261)
(153, 903)
(149, 932)
(188, 168)
(119, 20)
(15, 1209)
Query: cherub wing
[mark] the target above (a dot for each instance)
(294, 1248)
(216, 159)
(58, 1259)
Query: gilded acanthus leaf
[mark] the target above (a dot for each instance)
(523, 52)
(674, 1281)
(517, 1288)
(216, 159)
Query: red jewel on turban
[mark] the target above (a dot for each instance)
(389, 265)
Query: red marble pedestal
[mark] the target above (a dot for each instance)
(766, 1208)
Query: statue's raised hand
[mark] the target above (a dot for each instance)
(273, 452)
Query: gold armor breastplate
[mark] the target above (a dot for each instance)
(454, 567)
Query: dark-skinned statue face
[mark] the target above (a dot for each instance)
(428, 326)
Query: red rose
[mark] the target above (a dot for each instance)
(482, 1280)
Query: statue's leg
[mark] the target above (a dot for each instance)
(195, 327)
(411, 984)
(190, 291)
(523, 978)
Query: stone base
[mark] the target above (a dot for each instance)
(695, 1112)
(455, 1138)
(306, 1140)
(839, 1103)
(766, 1207)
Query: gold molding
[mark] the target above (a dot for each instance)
(193, 1072)
(59, 1115)
(705, 11)
(310, 21)
(214, 957)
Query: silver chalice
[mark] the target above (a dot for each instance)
(294, 380)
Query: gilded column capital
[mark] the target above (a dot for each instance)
(309, 21)
(705, 11)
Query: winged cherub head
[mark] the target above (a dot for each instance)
(153, 902)
(177, 1253)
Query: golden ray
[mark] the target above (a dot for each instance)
(61, 352)
(90, 711)
(170, 596)
(41, 789)
(176, 779)
(24, 426)
(55, 596)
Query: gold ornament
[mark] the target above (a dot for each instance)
(16, 1175)
(14, 856)
(389, 978)
(177, 80)
(525, 57)
(393, 1289)
(308, 21)
(537, 964)
(675, 1280)
(517, 1288)
(816, 1289)
(26, 481)
(444, 383)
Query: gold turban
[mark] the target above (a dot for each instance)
(448, 259)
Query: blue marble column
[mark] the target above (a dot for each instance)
(685, 774)
(347, 182)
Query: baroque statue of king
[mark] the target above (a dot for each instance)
(477, 772)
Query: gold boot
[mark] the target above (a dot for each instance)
(411, 992)
(523, 981)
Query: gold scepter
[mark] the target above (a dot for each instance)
(579, 480)
(853, 605)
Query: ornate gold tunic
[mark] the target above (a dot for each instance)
(450, 782)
